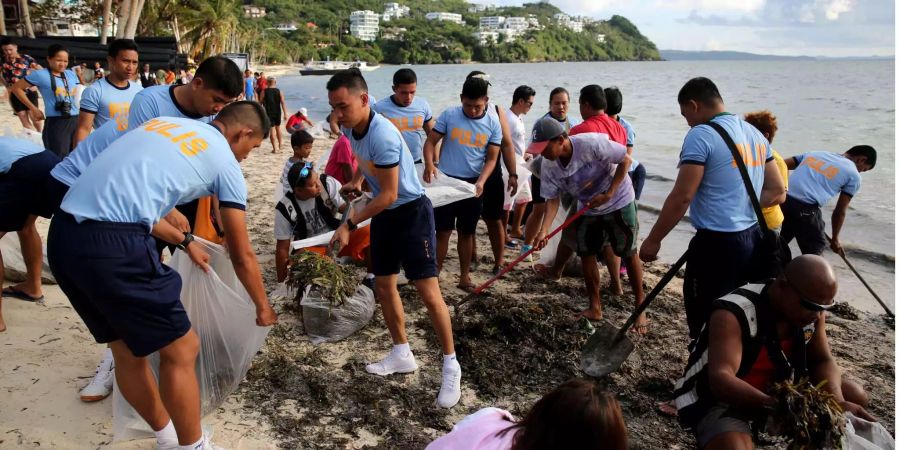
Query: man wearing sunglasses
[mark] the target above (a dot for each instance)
(757, 335)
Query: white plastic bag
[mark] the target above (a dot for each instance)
(224, 317)
(860, 434)
(445, 189)
(14, 263)
(326, 323)
(524, 176)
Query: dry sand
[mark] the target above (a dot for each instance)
(514, 344)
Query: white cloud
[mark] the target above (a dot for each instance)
(713, 45)
(588, 7)
(834, 8)
(740, 6)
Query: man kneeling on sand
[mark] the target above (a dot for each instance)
(757, 335)
(310, 209)
(103, 255)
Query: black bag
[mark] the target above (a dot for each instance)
(773, 253)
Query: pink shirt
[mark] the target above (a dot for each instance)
(478, 431)
(341, 153)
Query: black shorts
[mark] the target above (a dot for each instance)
(113, 277)
(492, 197)
(275, 120)
(22, 190)
(460, 215)
(17, 104)
(717, 263)
(54, 192)
(536, 190)
(405, 236)
(58, 134)
(804, 222)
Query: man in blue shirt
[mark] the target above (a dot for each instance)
(402, 229)
(471, 144)
(103, 255)
(721, 254)
(23, 167)
(109, 98)
(819, 176)
(410, 114)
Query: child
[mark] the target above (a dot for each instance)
(295, 121)
(302, 143)
(576, 416)
(341, 162)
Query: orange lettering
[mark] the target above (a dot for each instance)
(193, 147)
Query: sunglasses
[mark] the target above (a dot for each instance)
(307, 168)
(807, 303)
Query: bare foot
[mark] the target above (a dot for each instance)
(591, 314)
(2, 323)
(466, 285)
(545, 273)
(641, 325)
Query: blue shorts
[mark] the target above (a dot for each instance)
(460, 215)
(114, 279)
(405, 236)
(54, 192)
(22, 190)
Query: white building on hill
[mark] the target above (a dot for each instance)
(491, 22)
(576, 24)
(364, 25)
(394, 11)
(516, 23)
(486, 37)
(445, 17)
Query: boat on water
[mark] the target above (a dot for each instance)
(333, 67)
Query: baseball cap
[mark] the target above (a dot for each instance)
(303, 111)
(544, 130)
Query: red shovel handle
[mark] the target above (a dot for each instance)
(521, 257)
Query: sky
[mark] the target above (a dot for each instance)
(836, 28)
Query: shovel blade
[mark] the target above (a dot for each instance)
(602, 355)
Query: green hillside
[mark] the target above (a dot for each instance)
(415, 40)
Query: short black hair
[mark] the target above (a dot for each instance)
(301, 137)
(53, 49)
(6, 41)
(351, 79)
(613, 100)
(119, 45)
(221, 74)
(475, 88)
(864, 150)
(246, 113)
(522, 93)
(701, 90)
(558, 90)
(404, 76)
(594, 96)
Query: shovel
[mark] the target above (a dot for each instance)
(608, 347)
(521, 257)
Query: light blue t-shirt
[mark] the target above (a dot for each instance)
(382, 146)
(41, 79)
(165, 162)
(568, 122)
(819, 176)
(158, 101)
(591, 170)
(466, 140)
(108, 101)
(147, 101)
(12, 150)
(721, 202)
(410, 120)
(629, 141)
(249, 83)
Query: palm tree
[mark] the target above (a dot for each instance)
(104, 21)
(2, 21)
(26, 18)
(122, 17)
(134, 16)
(209, 26)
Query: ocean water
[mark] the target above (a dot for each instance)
(820, 105)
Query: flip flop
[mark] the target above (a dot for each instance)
(15, 293)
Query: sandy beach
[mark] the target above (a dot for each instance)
(514, 344)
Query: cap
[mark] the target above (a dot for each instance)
(544, 130)
(303, 111)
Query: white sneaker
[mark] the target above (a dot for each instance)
(394, 362)
(101, 385)
(451, 376)
(205, 444)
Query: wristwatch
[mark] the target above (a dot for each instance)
(350, 225)
(188, 238)
(514, 175)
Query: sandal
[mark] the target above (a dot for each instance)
(21, 295)
(468, 287)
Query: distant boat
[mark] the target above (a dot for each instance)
(333, 67)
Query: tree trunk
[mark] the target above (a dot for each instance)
(134, 16)
(2, 21)
(104, 25)
(122, 18)
(26, 18)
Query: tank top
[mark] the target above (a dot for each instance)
(272, 102)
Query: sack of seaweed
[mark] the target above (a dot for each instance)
(807, 415)
(333, 303)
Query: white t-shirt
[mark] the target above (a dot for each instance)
(287, 167)
(517, 132)
(315, 223)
